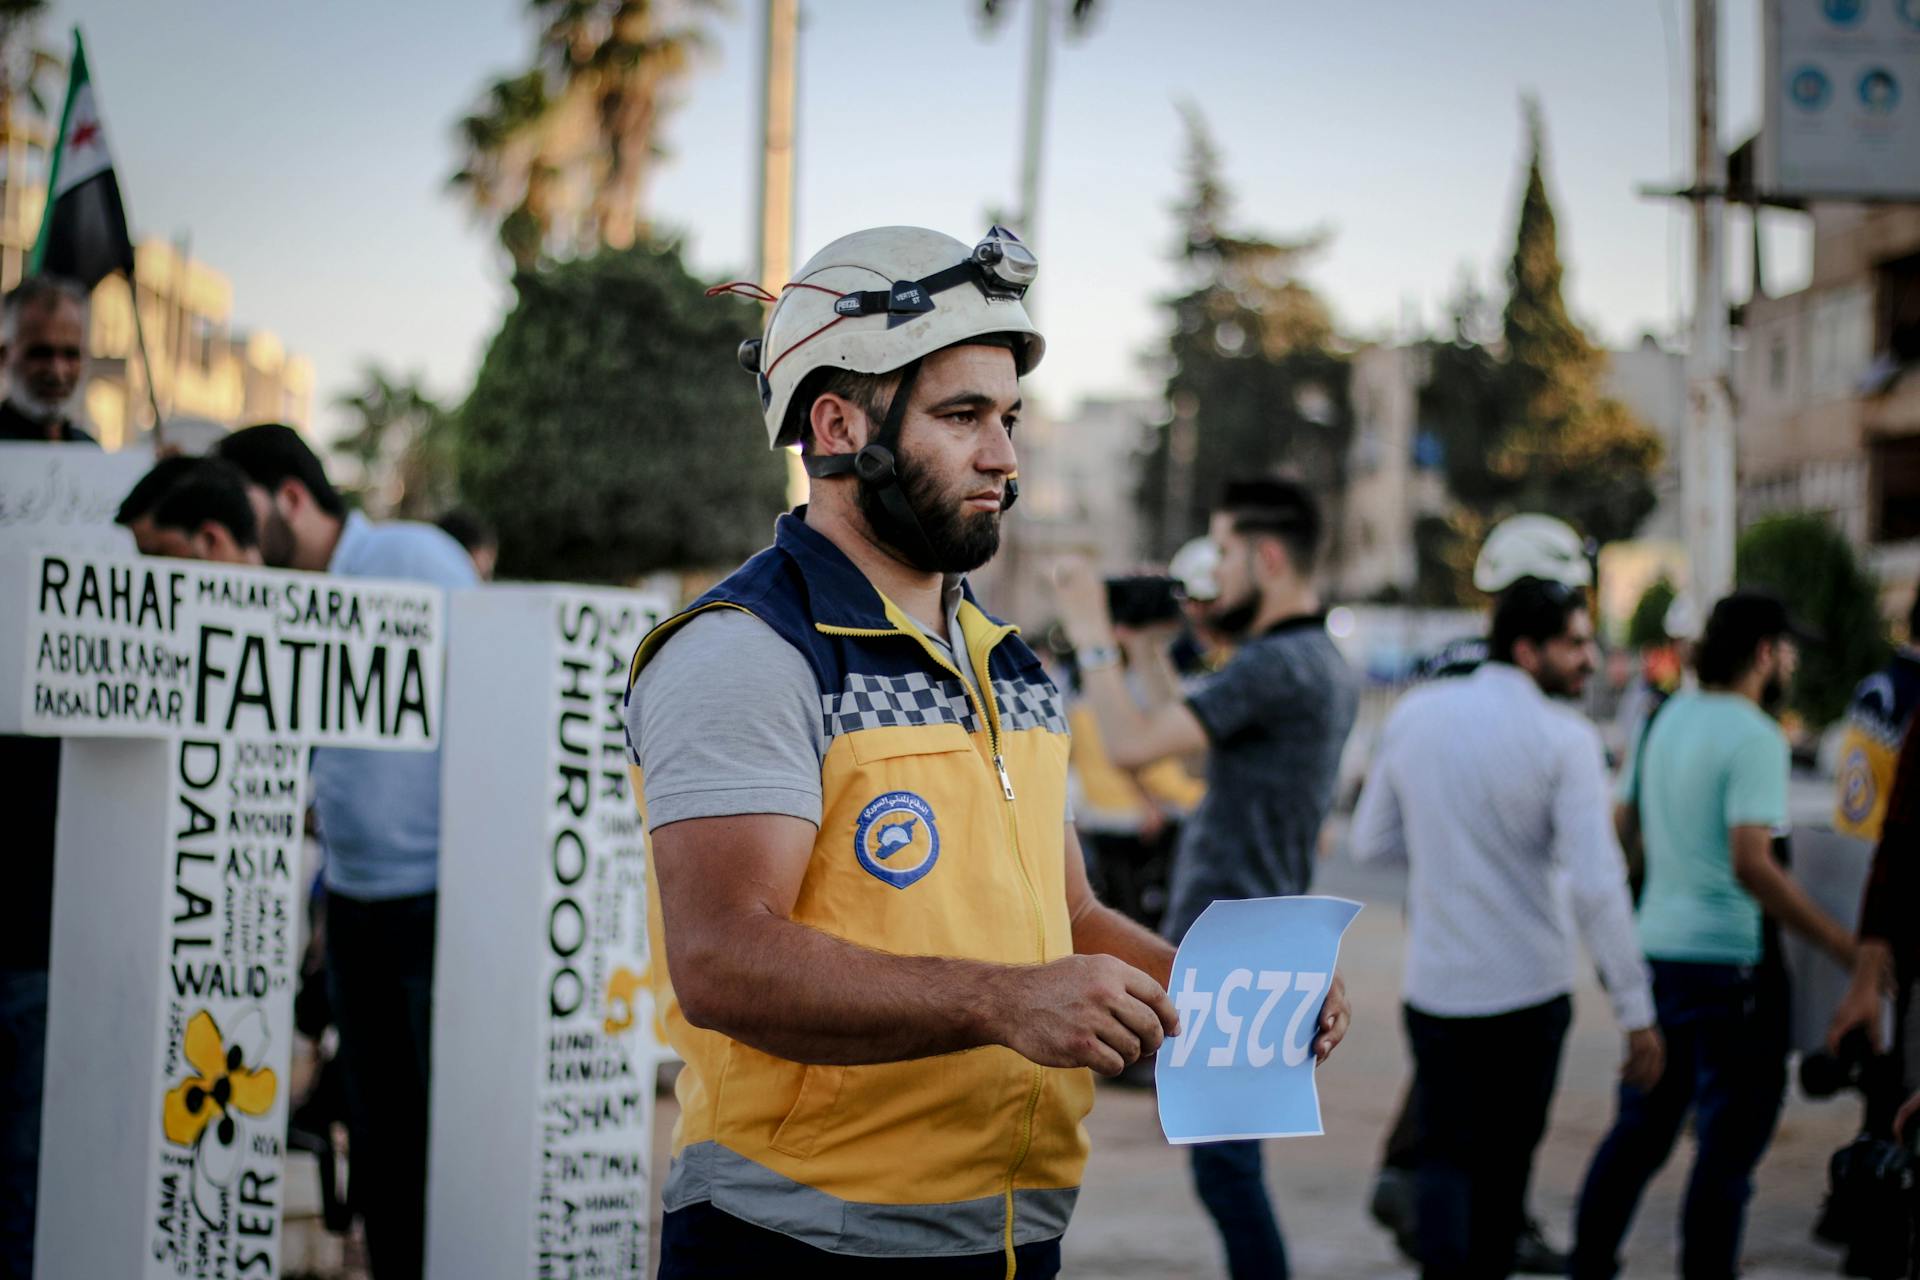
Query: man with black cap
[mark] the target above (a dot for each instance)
(1711, 792)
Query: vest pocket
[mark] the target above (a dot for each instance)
(870, 746)
(799, 1133)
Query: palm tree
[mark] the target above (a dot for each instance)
(22, 64)
(560, 152)
(400, 445)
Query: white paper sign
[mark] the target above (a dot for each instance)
(66, 493)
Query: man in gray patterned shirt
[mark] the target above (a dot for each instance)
(1273, 723)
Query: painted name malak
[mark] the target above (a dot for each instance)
(157, 648)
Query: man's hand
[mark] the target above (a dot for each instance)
(1646, 1059)
(1082, 1011)
(1081, 596)
(1908, 1110)
(1860, 1008)
(1336, 1015)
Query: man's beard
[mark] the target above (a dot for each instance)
(1235, 620)
(1773, 695)
(960, 541)
(40, 410)
(276, 541)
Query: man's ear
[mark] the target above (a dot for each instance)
(1274, 560)
(291, 497)
(838, 425)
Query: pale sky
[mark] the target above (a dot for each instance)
(304, 147)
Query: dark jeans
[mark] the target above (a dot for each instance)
(1482, 1087)
(380, 977)
(23, 1055)
(1228, 1178)
(700, 1242)
(1726, 1062)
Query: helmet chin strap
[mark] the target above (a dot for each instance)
(877, 468)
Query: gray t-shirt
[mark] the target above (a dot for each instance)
(727, 720)
(1277, 717)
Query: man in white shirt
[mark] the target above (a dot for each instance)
(1497, 798)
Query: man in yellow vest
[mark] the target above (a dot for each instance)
(888, 976)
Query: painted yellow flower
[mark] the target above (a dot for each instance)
(221, 1085)
(622, 988)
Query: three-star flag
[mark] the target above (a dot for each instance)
(83, 236)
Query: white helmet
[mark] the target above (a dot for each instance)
(878, 300)
(1531, 546)
(1194, 565)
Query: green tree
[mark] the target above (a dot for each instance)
(559, 153)
(611, 432)
(1648, 625)
(1256, 376)
(1521, 417)
(1809, 564)
(401, 446)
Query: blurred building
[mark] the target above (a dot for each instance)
(204, 368)
(1077, 481)
(1394, 467)
(1827, 389)
(1393, 475)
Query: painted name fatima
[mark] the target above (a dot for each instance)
(149, 648)
(219, 1104)
(596, 1080)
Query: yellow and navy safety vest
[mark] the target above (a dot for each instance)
(1876, 722)
(942, 833)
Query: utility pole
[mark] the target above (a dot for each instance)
(1039, 60)
(777, 95)
(1707, 476)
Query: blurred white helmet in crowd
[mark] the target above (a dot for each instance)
(1683, 619)
(1531, 546)
(878, 300)
(1194, 566)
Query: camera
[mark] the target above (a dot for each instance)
(1141, 601)
(1873, 1181)
(1855, 1066)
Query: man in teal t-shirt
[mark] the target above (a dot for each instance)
(1711, 792)
(1706, 745)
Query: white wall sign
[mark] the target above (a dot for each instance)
(543, 855)
(188, 695)
(1843, 98)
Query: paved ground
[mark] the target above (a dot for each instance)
(1138, 1216)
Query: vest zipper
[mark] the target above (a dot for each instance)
(984, 706)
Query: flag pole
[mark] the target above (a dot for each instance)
(146, 365)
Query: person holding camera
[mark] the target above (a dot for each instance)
(1711, 790)
(1273, 721)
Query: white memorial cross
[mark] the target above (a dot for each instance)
(188, 695)
(544, 1043)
